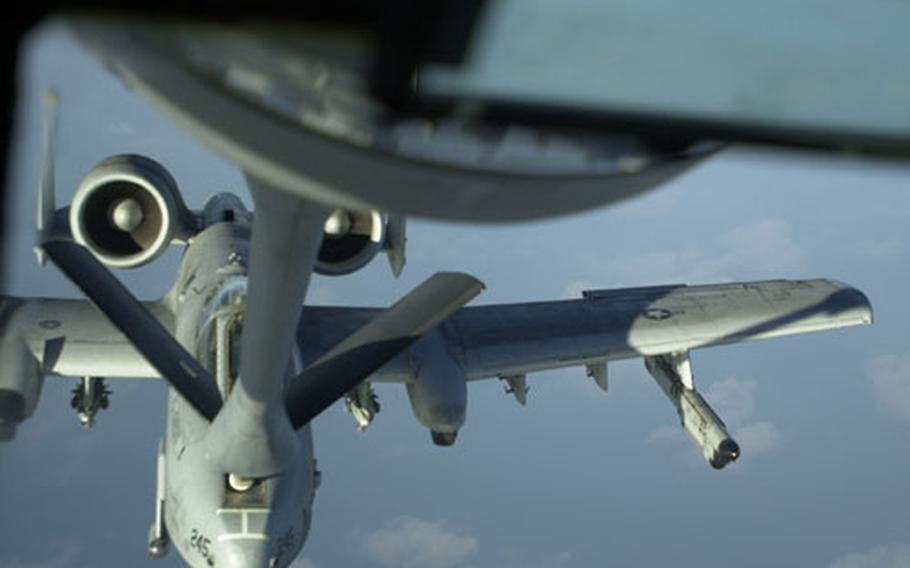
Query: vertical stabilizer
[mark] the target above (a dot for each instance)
(46, 206)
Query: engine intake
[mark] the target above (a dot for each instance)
(351, 239)
(127, 210)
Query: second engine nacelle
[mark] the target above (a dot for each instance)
(20, 375)
(127, 210)
(351, 240)
(438, 390)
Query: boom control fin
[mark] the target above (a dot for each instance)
(376, 343)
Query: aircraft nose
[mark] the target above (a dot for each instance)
(245, 554)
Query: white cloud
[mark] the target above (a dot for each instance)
(677, 440)
(760, 250)
(409, 542)
(559, 560)
(764, 247)
(880, 250)
(734, 401)
(893, 556)
(757, 438)
(64, 555)
(511, 558)
(733, 398)
(671, 434)
(889, 376)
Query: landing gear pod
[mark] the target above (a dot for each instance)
(673, 374)
(438, 390)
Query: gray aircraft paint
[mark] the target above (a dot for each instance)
(210, 524)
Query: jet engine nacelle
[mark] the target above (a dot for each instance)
(437, 389)
(351, 240)
(20, 376)
(127, 210)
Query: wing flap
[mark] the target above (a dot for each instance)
(71, 338)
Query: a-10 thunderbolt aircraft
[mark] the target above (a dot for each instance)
(236, 468)
(249, 368)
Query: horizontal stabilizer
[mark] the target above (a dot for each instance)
(376, 343)
(143, 330)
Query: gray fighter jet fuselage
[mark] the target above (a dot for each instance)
(236, 468)
(213, 517)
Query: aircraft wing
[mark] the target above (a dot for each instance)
(620, 324)
(514, 339)
(660, 323)
(72, 338)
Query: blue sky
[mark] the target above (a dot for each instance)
(578, 477)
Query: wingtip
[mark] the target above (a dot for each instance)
(850, 297)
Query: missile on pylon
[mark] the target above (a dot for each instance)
(673, 374)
